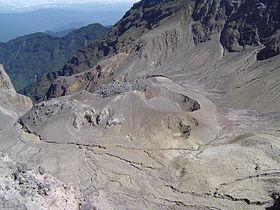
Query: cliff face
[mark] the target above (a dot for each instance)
(12, 104)
(271, 49)
(8, 92)
(240, 22)
(5, 81)
(254, 23)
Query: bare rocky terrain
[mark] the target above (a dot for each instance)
(183, 116)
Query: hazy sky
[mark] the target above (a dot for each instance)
(21, 17)
(29, 5)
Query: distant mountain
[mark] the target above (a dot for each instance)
(13, 25)
(60, 33)
(29, 57)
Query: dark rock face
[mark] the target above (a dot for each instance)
(210, 17)
(271, 49)
(252, 24)
(276, 204)
(240, 22)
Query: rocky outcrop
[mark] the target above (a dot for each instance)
(81, 113)
(12, 104)
(210, 17)
(271, 49)
(246, 25)
(240, 22)
(5, 81)
(10, 97)
(26, 188)
(276, 204)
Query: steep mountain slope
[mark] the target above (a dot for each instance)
(169, 115)
(212, 26)
(27, 58)
(125, 32)
(237, 25)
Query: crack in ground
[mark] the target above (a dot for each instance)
(132, 163)
(181, 203)
(217, 195)
(139, 166)
(276, 173)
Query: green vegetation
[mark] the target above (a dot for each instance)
(29, 57)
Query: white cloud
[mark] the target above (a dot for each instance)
(29, 5)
